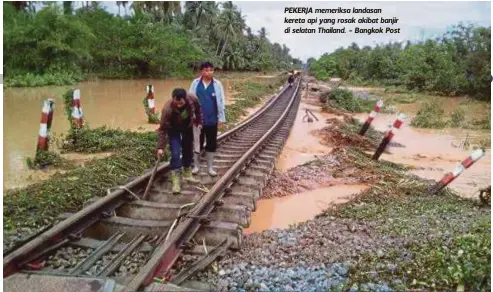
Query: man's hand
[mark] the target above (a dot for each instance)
(160, 153)
(220, 125)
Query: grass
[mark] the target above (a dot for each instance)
(430, 115)
(133, 153)
(250, 94)
(38, 204)
(47, 158)
(441, 241)
(33, 80)
(345, 99)
(462, 112)
(447, 237)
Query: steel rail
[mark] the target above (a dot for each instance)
(74, 225)
(169, 251)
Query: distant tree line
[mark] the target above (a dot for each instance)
(60, 44)
(457, 63)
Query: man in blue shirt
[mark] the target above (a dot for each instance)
(210, 93)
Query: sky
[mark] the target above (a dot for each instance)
(417, 21)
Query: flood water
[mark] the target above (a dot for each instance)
(301, 145)
(282, 212)
(438, 152)
(114, 103)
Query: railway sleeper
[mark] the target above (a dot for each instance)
(270, 152)
(215, 232)
(241, 198)
(251, 189)
(267, 157)
(257, 175)
(257, 133)
(235, 146)
(263, 167)
(86, 242)
(246, 141)
(230, 151)
(132, 228)
(250, 182)
(226, 156)
(219, 163)
(189, 196)
(262, 161)
(145, 210)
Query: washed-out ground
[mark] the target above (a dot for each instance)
(375, 227)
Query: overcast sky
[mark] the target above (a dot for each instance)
(417, 21)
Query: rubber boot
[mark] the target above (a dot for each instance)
(196, 163)
(175, 180)
(187, 175)
(210, 161)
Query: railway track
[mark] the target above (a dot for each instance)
(125, 242)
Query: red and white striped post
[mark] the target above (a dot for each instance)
(150, 99)
(371, 117)
(449, 177)
(388, 136)
(77, 114)
(45, 126)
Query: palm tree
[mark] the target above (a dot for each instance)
(230, 24)
(67, 7)
(262, 33)
(124, 4)
(158, 9)
(121, 3)
(20, 5)
(201, 10)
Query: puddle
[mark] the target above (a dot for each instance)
(434, 151)
(302, 146)
(282, 212)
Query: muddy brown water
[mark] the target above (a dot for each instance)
(282, 212)
(302, 146)
(436, 152)
(433, 152)
(114, 103)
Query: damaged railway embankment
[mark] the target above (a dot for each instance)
(392, 236)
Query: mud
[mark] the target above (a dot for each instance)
(434, 152)
(301, 145)
(282, 212)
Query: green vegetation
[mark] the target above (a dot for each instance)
(430, 115)
(132, 154)
(458, 118)
(440, 242)
(458, 63)
(40, 203)
(63, 45)
(250, 94)
(47, 158)
(345, 99)
(153, 118)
